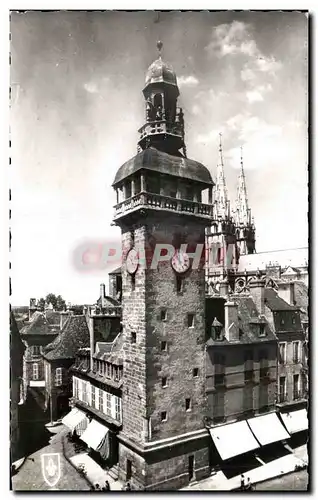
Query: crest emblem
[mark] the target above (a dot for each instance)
(51, 468)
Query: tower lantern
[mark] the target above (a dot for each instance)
(164, 126)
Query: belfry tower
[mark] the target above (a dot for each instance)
(245, 228)
(163, 443)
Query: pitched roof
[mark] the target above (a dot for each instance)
(39, 325)
(111, 351)
(275, 303)
(158, 161)
(74, 335)
(116, 271)
(108, 301)
(247, 318)
(294, 257)
(301, 298)
(17, 349)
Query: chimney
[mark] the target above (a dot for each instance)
(257, 291)
(32, 308)
(231, 321)
(102, 295)
(286, 291)
(224, 287)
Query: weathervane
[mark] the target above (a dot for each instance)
(159, 47)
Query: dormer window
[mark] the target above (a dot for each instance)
(216, 330)
(262, 331)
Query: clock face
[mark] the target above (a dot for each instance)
(180, 261)
(132, 261)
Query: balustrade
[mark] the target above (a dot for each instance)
(161, 201)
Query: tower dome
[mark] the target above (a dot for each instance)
(159, 71)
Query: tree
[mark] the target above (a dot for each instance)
(60, 303)
(57, 302)
(41, 304)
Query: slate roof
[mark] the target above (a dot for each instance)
(301, 298)
(74, 335)
(294, 257)
(248, 317)
(116, 271)
(111, 351)
(275, 303)
(158, 161)
(108, 301)
(17, 349)
(40, 325)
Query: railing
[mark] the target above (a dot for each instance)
(161, 127)
(106, 311)
(162, 201)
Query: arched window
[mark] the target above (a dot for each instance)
(157, 100)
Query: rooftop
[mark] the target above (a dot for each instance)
(74, 335)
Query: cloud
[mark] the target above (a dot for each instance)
(91, 87)
(210, 136)
(254, 96)
(187, 81)
(96, 87)
(232, 38)
(257, 94)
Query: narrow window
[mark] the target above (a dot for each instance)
(133, 282)
(282, 353)
(282, 389)
(58, 376)
(294, 321)
(262, 330)
(163, 315)
(164, 345)
(191, 467)
(190, 320)
(163, 416)
(296, 392)
(35, 371)
(128, 469)
(101, 399)
(296, 352)
(188, 404)
(164, 382)
(179, 284)
(133, 337)
(93, 396)
(195, 372)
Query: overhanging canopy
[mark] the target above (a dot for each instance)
(233, 439)
(75, 419)
(268, 429)
(94, 434)
(295, 421)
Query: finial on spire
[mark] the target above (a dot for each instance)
(220, 148)
(159, 47)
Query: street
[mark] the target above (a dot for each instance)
(39, 439)
(29, 476)
(296, 481)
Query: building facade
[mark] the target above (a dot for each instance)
(17, 349)
(40, 331)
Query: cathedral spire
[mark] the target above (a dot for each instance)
(243, 213)
(222, 204)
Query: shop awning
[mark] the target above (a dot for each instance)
(295, 421)
(75, 419)
(233, 439)
(268, 429)
(94, 434)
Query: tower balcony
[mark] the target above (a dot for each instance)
(161, 127)
(145, 200)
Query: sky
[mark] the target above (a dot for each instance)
(77, 104)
